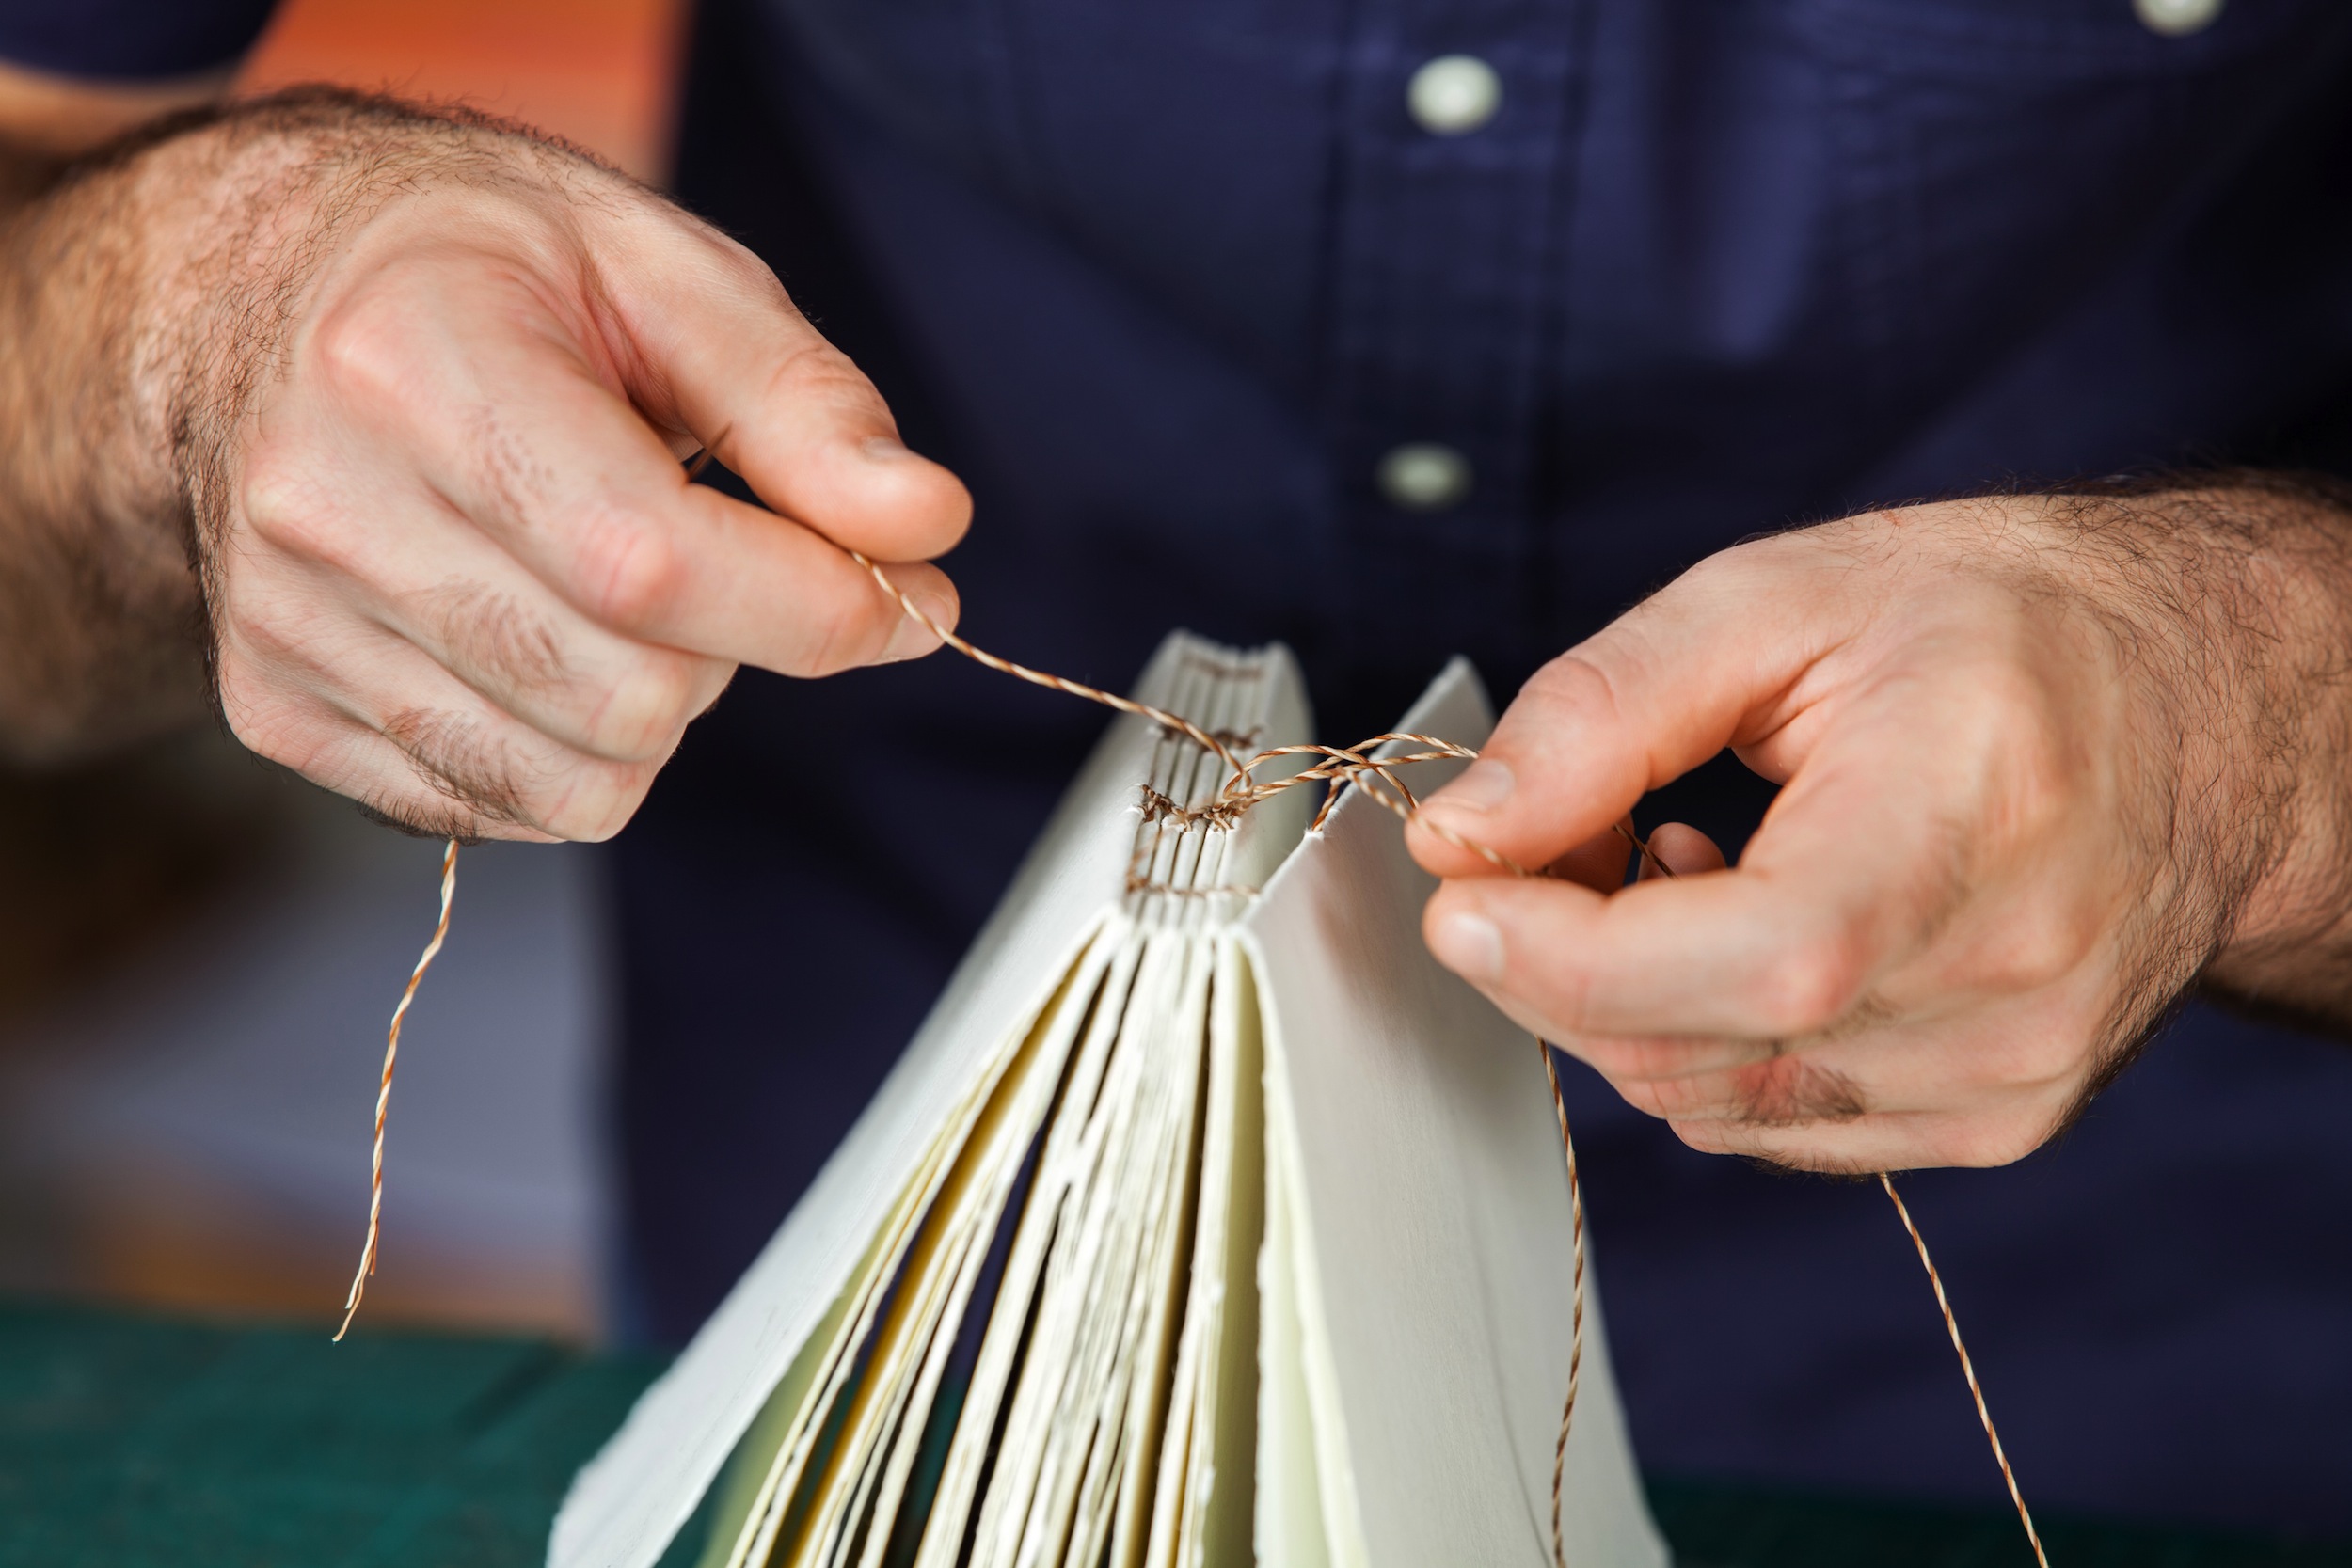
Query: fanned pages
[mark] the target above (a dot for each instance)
(1205, 1218)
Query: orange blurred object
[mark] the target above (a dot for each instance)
(602, 74)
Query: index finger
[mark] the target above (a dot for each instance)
(1703, 664)
(508, 418)
(717, 348)
(1854, 870)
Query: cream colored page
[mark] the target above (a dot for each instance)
(1288, 1513)
(1076, 1471)
(755, 1534)
(626, 1504)
(1328, 1487)
(1117, 1502)
(1066, 1147)
(909, 1342)
(1432, 1251)
(750, 1478)
(1073, 1376)
(1208, 1473)
(997, 1119)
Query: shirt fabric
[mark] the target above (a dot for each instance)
(129, 40)
(1164, 282)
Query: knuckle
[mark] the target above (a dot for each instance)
(2036, 947)
(2023, 1059)
(470, 764)
(1625, 1059)
(262, 721)
(1675, 1098)
(1576, 679)
(276, 495)
(1730, 571)
(284, 505)
(275, 630)
(1810, 987)
(717, 258)
(300, 735)
(1986, 1142)
(499, 637)
(362, 345)
(817, 371)
(643, 713)
(596, 800)
(632, 577)
(1792, 1091)
(1711, 1137)
(1614, 1057)
(1646, 1098)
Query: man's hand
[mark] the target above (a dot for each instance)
(419, 389)
(2045, 762)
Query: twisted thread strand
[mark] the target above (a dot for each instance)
(1349, 765)
(383, 1091)
(1575, 1298)
(1967, 1369)
(1341, 766)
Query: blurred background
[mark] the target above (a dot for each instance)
(198, 952)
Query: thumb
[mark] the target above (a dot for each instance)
(722, 352)
(1707, 662)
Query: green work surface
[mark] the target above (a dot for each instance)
(128, 1441)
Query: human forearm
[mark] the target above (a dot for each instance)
(96, 619)
(143, 293)
(98, 607)
(381, 411)
(2273, 590)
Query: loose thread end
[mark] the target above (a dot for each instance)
(1576, 1297)
(1967, 1368)
(384, 1093)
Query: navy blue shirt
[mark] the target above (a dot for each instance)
(1167, 282)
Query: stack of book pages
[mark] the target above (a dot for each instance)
(1206, 1220)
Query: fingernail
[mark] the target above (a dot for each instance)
(885, 448)
(1469, 945)
(1483, 786)
(909, 639)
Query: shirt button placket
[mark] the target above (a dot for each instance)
(1455, 136)
(1452, 95)
(1424, 476)
(2177, 18)
(1455, 94)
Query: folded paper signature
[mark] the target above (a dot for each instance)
(1206, 1220)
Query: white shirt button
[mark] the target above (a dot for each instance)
(1424, 476)
(2176, 18)
(1457, 93)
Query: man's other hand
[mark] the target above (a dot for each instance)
(2045, 761)
(415, 389)
(455, 570)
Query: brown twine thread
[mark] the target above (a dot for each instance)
(1967, 1368)
(384, 1090)
(1349, 765)
(1576, 1296)
(1944, 1304)
(1341, 766)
